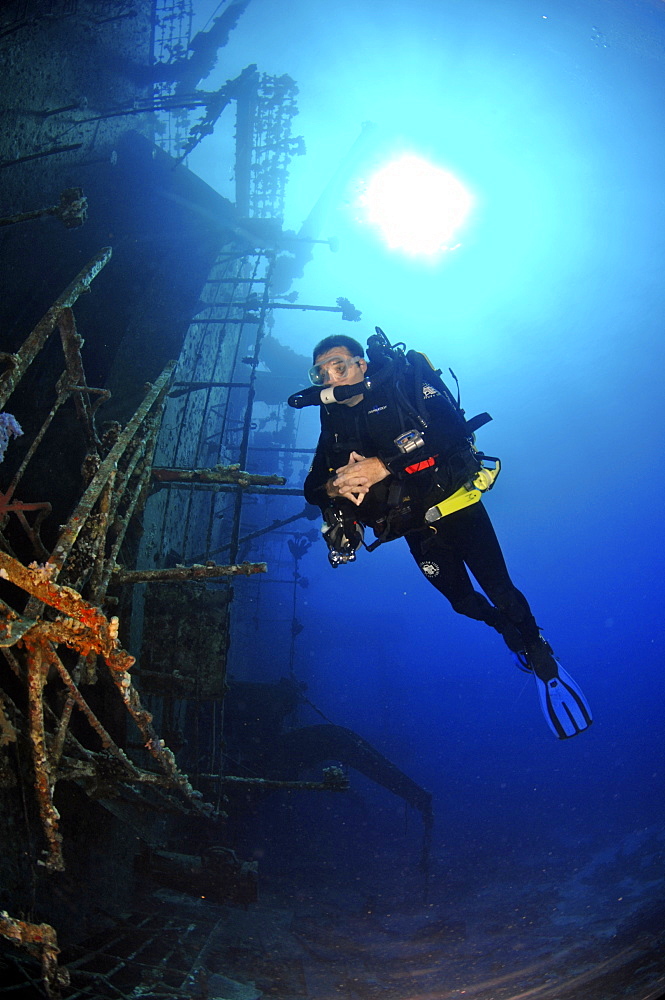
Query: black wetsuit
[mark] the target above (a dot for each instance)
(461, 542)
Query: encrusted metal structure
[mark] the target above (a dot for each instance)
(265, 106)
(172, 32)
(57, 627)
(158, 514)
(60, 635)
(209, 416)
(265, 145)
(195, 515)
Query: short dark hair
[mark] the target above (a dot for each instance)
(327, 344)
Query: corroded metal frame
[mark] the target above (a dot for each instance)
(55, 638)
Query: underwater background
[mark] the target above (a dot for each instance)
(550, 313)
(539, 871)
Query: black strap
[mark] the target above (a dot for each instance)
(479, 420)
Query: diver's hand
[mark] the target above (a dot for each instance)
(354, 480)
(332, 488)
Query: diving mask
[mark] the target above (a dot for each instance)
(332, 369)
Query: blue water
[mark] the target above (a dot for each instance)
(550, 313)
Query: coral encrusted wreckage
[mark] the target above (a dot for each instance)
(131, 759)
(57, 626)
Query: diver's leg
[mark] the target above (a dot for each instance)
(468, 537)
(440, 561)
(472, 534)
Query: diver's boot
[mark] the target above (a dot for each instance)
(563, 704)
(538, 656)
(510, 634)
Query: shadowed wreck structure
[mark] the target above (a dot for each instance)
(136, 312)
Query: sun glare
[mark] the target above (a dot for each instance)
(418, 208)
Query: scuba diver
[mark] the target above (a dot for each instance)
(397, 454)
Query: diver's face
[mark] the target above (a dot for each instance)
(339, 367)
